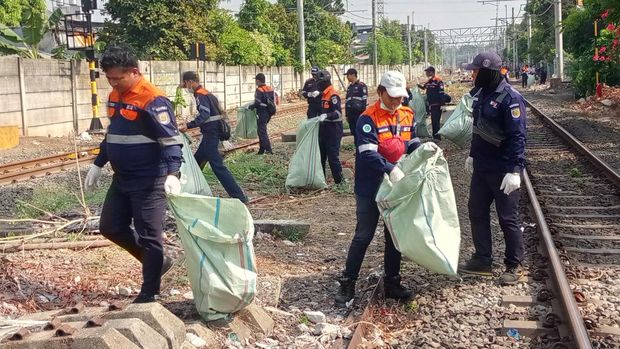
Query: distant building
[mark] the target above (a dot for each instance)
(360, 40)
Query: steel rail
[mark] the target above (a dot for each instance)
(572, 140)
(560, 280)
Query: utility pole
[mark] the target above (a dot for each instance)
(506, 46)
(374, 42)
(409, 44)
(425, 49)
(514, 41)
(302, 38)
(559, 44)
(529, 37)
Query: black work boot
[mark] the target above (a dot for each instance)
(476, 267)
(393, 289)
(346, 292)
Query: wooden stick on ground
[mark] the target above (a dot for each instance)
(41, 210)
(60, 245)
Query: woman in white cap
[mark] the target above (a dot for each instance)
(385, 132)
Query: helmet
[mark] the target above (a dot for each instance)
(323, 75)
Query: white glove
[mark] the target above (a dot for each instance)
(510, 183)
(432, 145)
(322, 117)
(172, 185)
(314, 94)
(396, 175)
(92, 178)
(469, 165)
(227, 145)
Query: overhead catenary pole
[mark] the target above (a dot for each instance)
(409, 45)
(529, 37)
(374, 42)
(302, 38)
(559, 44)
(425, 48)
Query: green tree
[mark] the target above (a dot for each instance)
(12, 11)
(36, 24)
(157, 29)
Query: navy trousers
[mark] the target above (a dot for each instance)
(143, 200)
(367, 218)
(208, 152)
(330, 136)
(313, 110)
(484, 190)
(352, 120)
(263, 136)
(436, 120)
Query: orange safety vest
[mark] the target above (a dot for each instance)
(132, 101)
(402, 120)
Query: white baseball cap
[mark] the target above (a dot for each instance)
(395, 83)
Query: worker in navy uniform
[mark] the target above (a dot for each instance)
(264, 94)
(357, 99)
(210, 121)
(331, 128)
(496, 160)
(435, 98)
(385, 133)
(312, 94)
(143, 146)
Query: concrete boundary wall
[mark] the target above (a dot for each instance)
(52, 97)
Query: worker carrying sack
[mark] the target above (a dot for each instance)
(217, 238)
(418, 105)
(420, 211)
(304, 169)
(246, 123)
(458, 127)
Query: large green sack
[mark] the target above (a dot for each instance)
(304, 169)
(418, 104)
(246, 123)
(458, 127)
(192, 179)
(217, 238)
(531, 79)
(420, 211)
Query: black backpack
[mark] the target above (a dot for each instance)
(225, 130)
(271, 107)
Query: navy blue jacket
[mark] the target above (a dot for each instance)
(142, 139)
(208, 111)
(357, 99)
(261, 95)
(435, 94)
(310, 86)
(498, 142)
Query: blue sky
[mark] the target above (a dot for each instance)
(441, 14)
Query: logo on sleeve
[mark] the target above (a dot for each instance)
(367, 128)
(164, 117)
(515, 112)
(334, 100)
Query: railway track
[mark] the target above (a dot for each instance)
(29, 169)
(574, 203)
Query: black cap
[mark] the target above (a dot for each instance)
(190, 76)
(486, 60)
(315, 69)
(260, 77)
(351, 71)
(431, 69)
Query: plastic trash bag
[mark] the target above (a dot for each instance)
(458, 127)
(217, 237)
(418, 104)
(246, 123)
(192, 180)
(420, 211)
(531, 79)
(304, 169)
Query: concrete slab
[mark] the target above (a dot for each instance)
(289, 229)
(257, 317)
(242, 331)
(139, 333)
(85, 338)
(201, 330)
(157, 317)
(519, 301)
(526, 328)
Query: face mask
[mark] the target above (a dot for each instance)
(384, 107)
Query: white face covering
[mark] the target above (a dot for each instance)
(384, 107)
